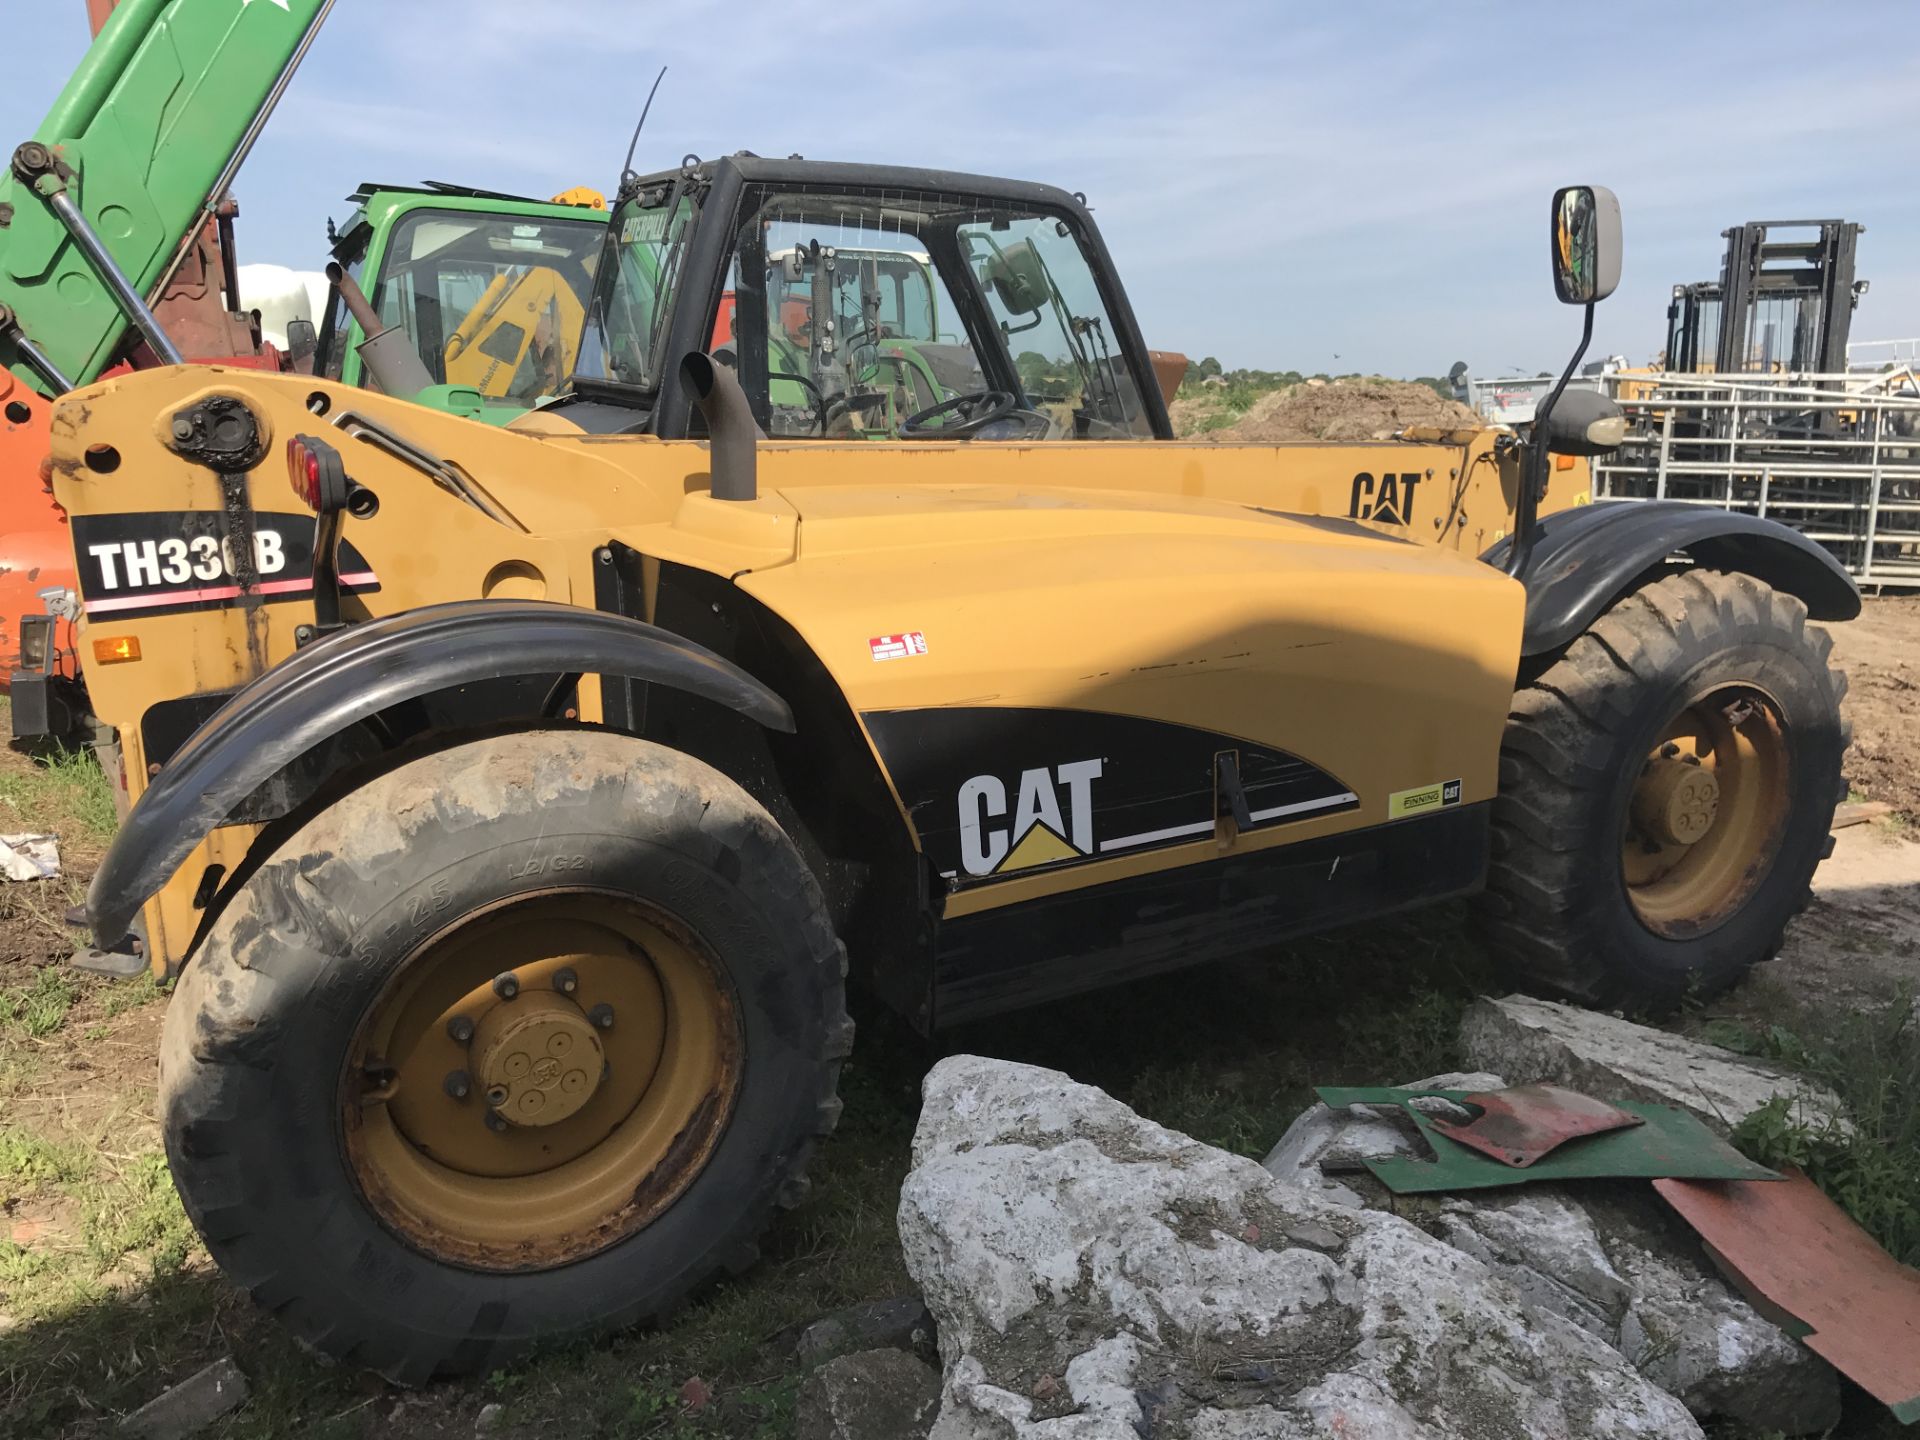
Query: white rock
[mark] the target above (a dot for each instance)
(1696, 1339)
(1055, 1233)
(1530, 1041)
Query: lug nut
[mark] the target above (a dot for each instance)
(458, 1084)
(565, 981)
(497, 1095)
(506, 985)
(495, 1123)
(601, 1016)
(460, 1029)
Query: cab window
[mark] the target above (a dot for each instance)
(622, 339)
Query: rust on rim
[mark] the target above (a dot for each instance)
(1708, 811)
(540, 1080)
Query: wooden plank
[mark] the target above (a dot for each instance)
(1792, 1248)
(1858, 812)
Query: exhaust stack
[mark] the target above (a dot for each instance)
(388, 350)
(734, 464)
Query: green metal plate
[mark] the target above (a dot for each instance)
(1672, 1144)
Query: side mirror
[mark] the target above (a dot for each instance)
(302, 341)
(1019, 278)
(1586, 243)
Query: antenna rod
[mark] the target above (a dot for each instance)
(626, 170)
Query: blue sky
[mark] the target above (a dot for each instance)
(1280, 184)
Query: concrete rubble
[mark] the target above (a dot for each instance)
(1094, 1275)
(191, 1406)
(902, 1324)
(869, 1395)
(1530, 1041)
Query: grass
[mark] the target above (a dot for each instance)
(40, 1007)
(64, 790)
(1870, 1057)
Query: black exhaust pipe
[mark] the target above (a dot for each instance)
(734, 438)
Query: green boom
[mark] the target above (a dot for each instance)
(168, 96)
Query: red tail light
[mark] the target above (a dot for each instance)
(317, 474)
(303, 469)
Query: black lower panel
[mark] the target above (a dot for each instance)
(1043, 949)
(47, 707)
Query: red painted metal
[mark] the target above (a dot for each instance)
(1795, 1253)
(1518, 1126)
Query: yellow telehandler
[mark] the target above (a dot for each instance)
(511, 804)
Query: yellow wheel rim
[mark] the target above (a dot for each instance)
(1707, 812)
(540, 1080)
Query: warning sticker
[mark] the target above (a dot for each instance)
(898, 647)
(1403, 803)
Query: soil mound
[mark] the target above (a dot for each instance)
(1345, 410)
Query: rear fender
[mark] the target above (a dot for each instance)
(1587, 557)
(358, 672)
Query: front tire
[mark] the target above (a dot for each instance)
(523, 1040)
(1666, 792)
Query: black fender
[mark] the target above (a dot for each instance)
(359, 671)
(1589, 556)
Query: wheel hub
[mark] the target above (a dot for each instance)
(1676, 800)
(537, 1059)
(540, 1080)
(1707, 811)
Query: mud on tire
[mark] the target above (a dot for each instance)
(259, 1109)
(1559, 908)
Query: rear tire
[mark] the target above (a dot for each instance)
(353, 1191)
(1593, 893)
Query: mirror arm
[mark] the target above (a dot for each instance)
(1533, 479)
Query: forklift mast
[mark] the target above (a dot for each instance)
(1780, 304)
(1786, 301)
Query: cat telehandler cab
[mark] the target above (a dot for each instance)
(513, 803)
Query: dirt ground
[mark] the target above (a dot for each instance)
(1860, 938)
(1339, 410)
(1880, 653)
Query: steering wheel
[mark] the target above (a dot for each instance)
(819, 398)
(979, 410)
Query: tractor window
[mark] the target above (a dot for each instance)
(491, 301)
(882, 316)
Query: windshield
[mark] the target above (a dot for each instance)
(910, 316)
(491, 301)
(621, 342)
